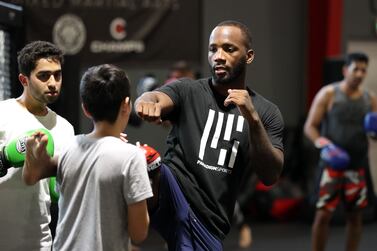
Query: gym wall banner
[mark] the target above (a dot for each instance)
(112, 31)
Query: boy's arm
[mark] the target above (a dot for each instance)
(38, 164)
(138, 221)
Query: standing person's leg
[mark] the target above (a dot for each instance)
(246, 236)
(355, 199)
(321, 229)
(371, 188)
(242, 212)
(353, 230)
(330, 190)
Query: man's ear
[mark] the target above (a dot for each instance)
(127, 103)
(87, 114)
(23, 79)
(250, 56)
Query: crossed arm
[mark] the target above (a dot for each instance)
(267, 159)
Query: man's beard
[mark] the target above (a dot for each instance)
(50, 100)
(46, 100)
(234, 74)
(43, 98)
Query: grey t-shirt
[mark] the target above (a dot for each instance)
(97, 179)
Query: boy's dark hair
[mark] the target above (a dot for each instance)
(102, 89)
(245, 31)
(32, 52)
(355, 57)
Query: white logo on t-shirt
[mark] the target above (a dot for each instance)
(228, 120)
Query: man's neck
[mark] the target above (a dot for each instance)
(33, 107)
(222, 89)
(351, 90)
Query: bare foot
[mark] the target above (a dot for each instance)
(246, 237)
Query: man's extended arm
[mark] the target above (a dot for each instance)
(151, 106)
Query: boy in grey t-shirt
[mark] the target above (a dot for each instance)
(102, 180)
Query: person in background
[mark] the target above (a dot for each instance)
(25, 211)
(180, 69)
(148, 82)
(242, 213)
(335, 124)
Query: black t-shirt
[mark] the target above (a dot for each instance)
(209, 148)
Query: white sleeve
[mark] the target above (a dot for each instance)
(136, 185)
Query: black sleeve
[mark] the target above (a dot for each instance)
(271, 118)
(176, 91)
(274, 125)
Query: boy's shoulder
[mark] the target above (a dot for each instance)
(117, 145)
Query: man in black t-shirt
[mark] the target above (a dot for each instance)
(221, 131)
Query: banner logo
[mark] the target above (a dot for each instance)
(118, 32)
(118, 28)
(69, 34)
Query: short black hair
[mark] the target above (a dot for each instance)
(32, 52)
(102, 89)
(355, 57)
(245, 31)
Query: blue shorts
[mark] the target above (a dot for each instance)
(176, 222)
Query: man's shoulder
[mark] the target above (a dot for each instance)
(264, 106)
(200, 81)
(189, 82)
(327, 92)
(331, 86)
(196, 84)
(370, 93)
(64, 120)
(11, 109)
(185, 86)
(60, 119)
(7, 103)
(259, 99)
